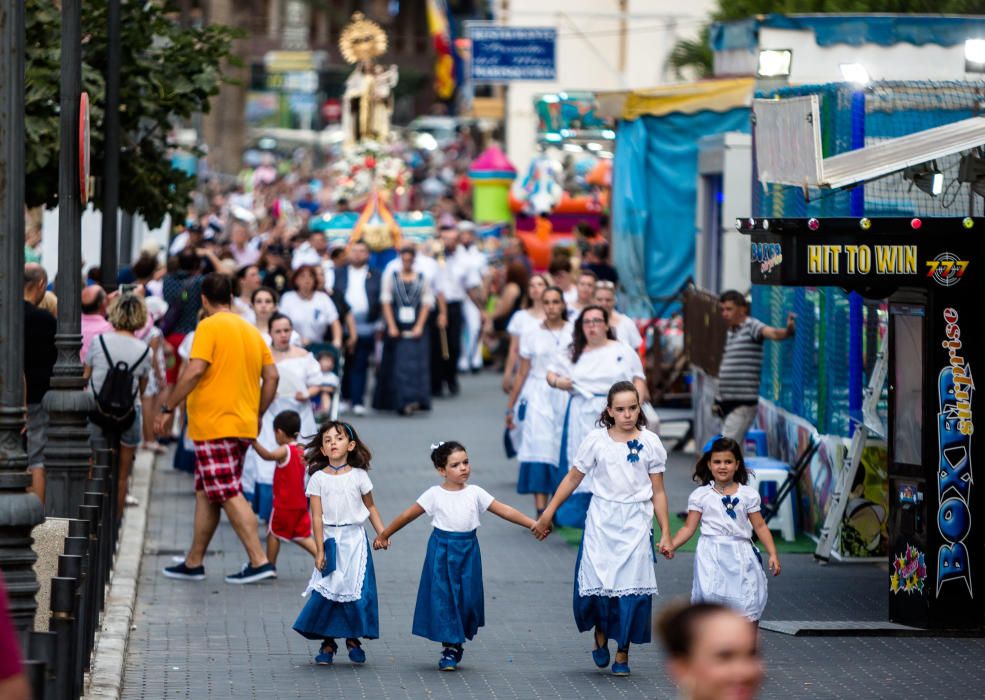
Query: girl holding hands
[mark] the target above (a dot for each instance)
(614, 577)
(344, 601)
(727, 565)
(450, 607)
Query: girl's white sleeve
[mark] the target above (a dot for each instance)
(313, 483)
(655, 455)
(585, 457)
(753, 501)
(365, 483)
(694, 501)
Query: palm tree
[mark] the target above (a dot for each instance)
(692, 57)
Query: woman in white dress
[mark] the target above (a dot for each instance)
(614, 577)
(311, 311)
(531, 315)
(622, 326)
(300, 380)
(537, 406)
(596, 361)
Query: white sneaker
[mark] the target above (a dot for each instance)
(359, 410)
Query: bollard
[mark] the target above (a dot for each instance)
(106, 551)
(63, 624)
(36, 673)
(102, 473)
(79, 546)
(70, 566)
(42, 646)
(108, 458)
(93, 593)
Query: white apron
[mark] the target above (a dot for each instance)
(617, 550)
(727, 570)
(345, 584)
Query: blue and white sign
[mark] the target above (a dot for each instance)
(501, 54)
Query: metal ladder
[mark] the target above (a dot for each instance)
(871, 424)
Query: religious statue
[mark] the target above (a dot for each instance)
(368, 98)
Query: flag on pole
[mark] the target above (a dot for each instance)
(444, 61)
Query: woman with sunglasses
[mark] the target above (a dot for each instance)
(595, 361)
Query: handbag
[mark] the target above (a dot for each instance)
(331, 556)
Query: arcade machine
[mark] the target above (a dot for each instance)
(932, 272)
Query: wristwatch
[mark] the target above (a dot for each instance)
(165, 409)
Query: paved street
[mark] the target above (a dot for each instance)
(213, 640)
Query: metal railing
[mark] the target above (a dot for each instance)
(56, 661)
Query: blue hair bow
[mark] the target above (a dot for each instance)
(635, 447)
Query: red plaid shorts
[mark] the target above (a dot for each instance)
(219, 467)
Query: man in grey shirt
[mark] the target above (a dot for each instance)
(738, 376)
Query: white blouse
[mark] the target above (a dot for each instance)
(455, 511)
(715, 519)
(539, 344)
(341, 496)
(597, 370)
(621, 471)
(311, 317)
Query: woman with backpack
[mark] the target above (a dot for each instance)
(117, 367)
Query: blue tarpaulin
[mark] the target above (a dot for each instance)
(654, 201)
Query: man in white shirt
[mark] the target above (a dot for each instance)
(458, 279)
(471, 358)
(359, 286)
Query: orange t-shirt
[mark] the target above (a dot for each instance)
(226, 401)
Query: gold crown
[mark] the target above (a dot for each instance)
(362, 35)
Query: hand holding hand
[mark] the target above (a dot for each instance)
(665, 547)
(774, 565)
(541, 528)
(381, 543)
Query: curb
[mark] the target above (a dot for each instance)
(109, 654)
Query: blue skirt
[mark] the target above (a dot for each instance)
(625, 619)
(322, 618)
(536, 477)
(450, 606)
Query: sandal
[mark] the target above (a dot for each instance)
(621, 668)
(600, 654)
(450, 657)
(326, 654)
(356, 653)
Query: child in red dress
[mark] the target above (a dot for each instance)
(289, 519)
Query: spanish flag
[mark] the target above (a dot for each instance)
(444, 62)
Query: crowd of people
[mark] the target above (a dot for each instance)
(250, 318)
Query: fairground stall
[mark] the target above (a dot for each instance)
(930, 271)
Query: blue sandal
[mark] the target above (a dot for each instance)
(450, 656)
(621, 668)
(600, 654)
(326, 655)
(356, 653)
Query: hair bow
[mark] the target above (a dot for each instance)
(436, 445)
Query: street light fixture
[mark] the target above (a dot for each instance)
(855, 73)
(974, 56)
(926, 177)
(774, 63)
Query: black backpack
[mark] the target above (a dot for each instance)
(115, 401)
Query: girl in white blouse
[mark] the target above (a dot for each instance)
(450, 607)
(614, 577)
(727, 566)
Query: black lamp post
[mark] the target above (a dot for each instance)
(67, 452)
(19, 510)
(111, 255)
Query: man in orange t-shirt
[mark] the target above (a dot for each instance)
(230, 380)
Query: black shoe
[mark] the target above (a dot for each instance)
(183, 572)
(252, 574)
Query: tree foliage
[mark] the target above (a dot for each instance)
(695, 56)
(168, 74)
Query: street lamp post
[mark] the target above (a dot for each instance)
(67, 452)
(19, 510)
(110, 257)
